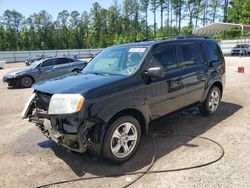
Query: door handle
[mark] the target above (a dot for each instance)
(176, 82)
(202, 76)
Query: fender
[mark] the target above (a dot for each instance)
(109, 108)
(215, 77)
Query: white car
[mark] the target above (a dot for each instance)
(241, 49)
(2, 64)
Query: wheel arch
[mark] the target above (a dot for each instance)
(216, 83)
(137, 114)
(27, 75)
(219, 85)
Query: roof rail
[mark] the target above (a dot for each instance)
(166, 37)
(191, 36)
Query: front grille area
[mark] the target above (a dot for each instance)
(42, 101)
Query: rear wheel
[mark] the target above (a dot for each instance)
(210, 105)
(26, 82)
(122, 139)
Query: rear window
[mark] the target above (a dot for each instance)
(190, 54)
(213, 52)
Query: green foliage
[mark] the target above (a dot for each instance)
(120, 23)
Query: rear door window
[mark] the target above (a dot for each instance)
(71, 60)
(189, 54)
(165, 57)
(61, 61)
(213, 52)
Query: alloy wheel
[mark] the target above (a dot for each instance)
(123, 140)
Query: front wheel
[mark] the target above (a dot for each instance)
(122, 139)
(210, 105)
(26, 82)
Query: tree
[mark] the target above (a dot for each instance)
(239, 12)
(205, 12)
(96, 24)
(135, 19)
(74, 24)
(85, 26)
(225, 10)
(12, 20)
(198, 11)
(62, 26)
(130, 19)
(191, 7)
(119, 23)
(43, 25)
(245, 19)
(214, 6)
(168, 8)
(153, 9)
(144, 9)
(161, 5)
(178, 8)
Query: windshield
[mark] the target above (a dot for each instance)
(34, 64)
(116, 61)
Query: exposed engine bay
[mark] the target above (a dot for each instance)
(68, 131)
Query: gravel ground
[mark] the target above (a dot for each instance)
(28, 159)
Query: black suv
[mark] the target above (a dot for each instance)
(106, 108)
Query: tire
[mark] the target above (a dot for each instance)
(117, 139)
(210, 105)
(26, 81)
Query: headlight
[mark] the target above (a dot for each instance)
(65, 103)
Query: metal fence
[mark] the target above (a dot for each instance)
(227, 45)
(20, 56)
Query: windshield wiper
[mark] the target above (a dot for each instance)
(103, 73)
(100, 73)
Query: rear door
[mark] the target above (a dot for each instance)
(47, 69)
(214, 58)
(167, 94)
(194, 70)
(63, 66)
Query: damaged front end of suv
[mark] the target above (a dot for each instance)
(57, 116)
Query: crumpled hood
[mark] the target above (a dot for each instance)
(75, 83)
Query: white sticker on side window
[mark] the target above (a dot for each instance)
(138, 50)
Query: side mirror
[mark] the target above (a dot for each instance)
(155, 72)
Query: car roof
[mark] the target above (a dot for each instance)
(158, 42)
(49, 58)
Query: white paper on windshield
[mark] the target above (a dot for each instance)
(138, 50)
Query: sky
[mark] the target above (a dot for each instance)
(28, 7)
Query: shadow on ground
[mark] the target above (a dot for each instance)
(188, 122)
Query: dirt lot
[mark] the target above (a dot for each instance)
(28, 159)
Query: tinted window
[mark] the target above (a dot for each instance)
(189, 54)
(71, 60)
(213, 52)
(61, 61)
(166, 57)
(49, 62)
